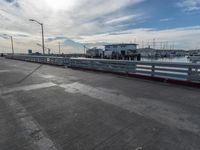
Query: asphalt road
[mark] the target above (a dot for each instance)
(51, 108)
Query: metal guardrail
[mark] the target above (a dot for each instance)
(60, 61)
(178, 71)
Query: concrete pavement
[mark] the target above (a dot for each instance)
(45, 107)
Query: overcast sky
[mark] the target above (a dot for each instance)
(98, 22)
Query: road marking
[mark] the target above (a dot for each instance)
(5, 71)
(32, 129)
(150, 108)
(47, 76)
(27, 88)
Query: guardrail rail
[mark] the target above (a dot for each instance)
(178, 71)
(51, 60)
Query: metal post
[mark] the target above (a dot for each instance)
(12, 45)
(189, 73)
(142, 44)
(152, 70)
(59, 47)
(84, 49)
(42, 37)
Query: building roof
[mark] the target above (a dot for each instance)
(122, 44)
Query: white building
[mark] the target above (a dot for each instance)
(121, 49)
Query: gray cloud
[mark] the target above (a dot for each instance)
(73, 22)
(22, 35)
(74, 19)
(5, 36)
(16, 4)
(50, 39)
(9, 1)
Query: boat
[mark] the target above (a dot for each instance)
(194, 58)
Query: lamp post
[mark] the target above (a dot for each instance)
(42, 32)
(11, 38)
(6, 36)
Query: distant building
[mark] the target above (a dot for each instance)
(30, 51)
(94, 53)
(120, 49)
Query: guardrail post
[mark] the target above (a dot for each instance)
(189, 73)
(152, 70)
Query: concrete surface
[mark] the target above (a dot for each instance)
(51, 108)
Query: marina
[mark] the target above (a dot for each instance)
(183, 59)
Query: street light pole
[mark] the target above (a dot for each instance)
(42, 37)
(11, 38)
(42, 32)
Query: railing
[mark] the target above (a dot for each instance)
(60, 61)
(178, 71)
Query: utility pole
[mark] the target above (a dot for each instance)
(142, 44)
(11, 38)
(167, 45)
(161, 45)
(154, 43)
(84, 49)
(59, 47)
(148, 44)
(135, 41)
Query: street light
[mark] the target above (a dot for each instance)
(11, 38)
(42, 32)
(6, 36)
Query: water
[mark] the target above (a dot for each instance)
(171, 59)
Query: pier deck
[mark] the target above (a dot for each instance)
(46, 107)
